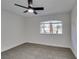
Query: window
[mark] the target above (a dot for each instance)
(51, 27)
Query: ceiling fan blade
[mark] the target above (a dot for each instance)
(21, 6)
(25, 11)
(30, 2)
(35, 12)
(38, 8)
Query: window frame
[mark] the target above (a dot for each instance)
(51, 22)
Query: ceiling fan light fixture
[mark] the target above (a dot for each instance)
(30, 10)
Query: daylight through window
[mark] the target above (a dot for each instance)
(51, 27)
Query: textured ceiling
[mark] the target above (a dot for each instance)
(50, 6)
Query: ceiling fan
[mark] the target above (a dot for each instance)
(30, 8)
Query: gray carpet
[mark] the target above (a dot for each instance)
(36, 51)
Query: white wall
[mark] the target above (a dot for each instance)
(12, 30)
(17, 30)
(33, 30)
(74, 30)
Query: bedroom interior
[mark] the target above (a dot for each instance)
(38, 29)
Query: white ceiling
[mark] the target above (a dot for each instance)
(50, 6)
